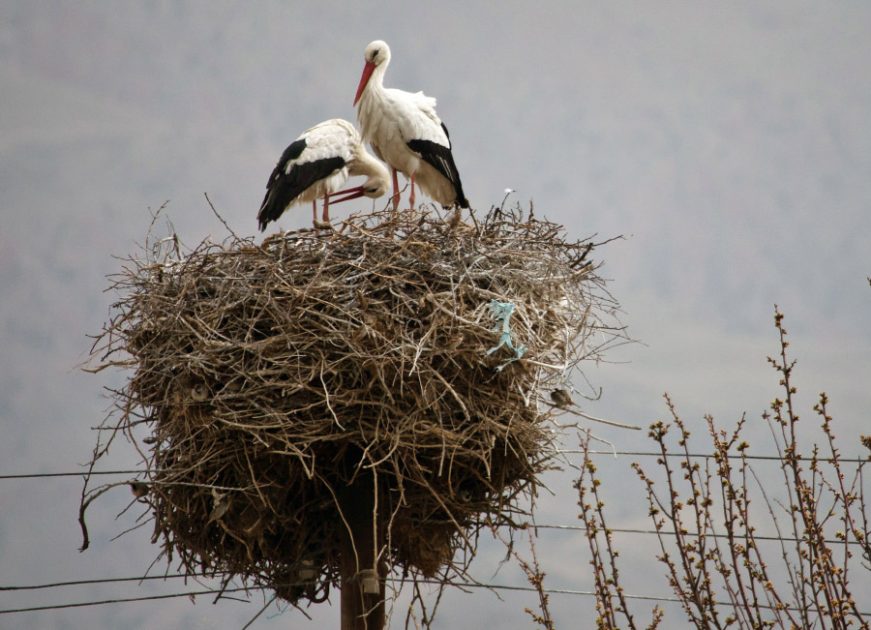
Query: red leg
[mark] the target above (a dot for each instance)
(314, 211)
(326, 216)
(395, 190)
(411, 196)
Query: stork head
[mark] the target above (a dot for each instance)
(377, 179)
(377, 54)
(378, 182)
(376, 186)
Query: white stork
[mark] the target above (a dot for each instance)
(315, 166)
(405, 131)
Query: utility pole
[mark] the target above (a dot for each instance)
(362, 572)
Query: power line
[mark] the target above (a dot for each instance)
(626, 530)
(141, 578)
(842, 460)
(565, 591)
(495, 587)
(73, 474)
(122, 600)
(828, 460)
(527, 525)
(555, 591)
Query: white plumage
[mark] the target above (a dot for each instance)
(315, 166)
(405, 131)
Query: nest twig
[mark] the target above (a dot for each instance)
(404, 351)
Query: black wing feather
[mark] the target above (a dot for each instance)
(441, 159)
(283, 187)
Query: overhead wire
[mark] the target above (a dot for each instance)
(483, 585)
(842, 460)
(121, 600)
(507, 587)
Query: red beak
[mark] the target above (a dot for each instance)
(350, 193)
(364, 79)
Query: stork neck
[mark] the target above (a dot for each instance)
(362, 164)
(371, 102)
(376, 81)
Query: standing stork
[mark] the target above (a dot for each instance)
(405, 131)
(316, 165)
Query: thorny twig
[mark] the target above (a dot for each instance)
(707, 575)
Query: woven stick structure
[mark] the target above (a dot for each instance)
(405, 356)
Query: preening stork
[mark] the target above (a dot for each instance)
(405, 131)
(315, 166)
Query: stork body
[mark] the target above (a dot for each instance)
(315, 166)
(405, 131)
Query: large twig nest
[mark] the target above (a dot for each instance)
(403, 351)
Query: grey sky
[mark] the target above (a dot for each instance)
(728, 143)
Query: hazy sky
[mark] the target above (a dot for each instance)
(728, 143)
